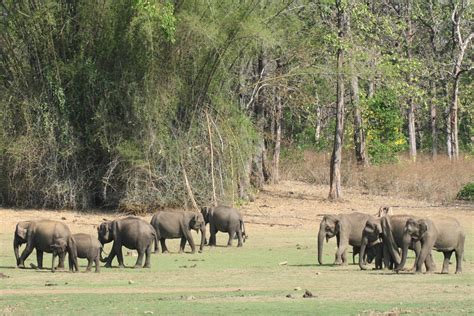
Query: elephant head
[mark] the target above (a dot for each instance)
(328, 228)
(199, 224)
(59, 247)
(105, 232)
(416, 229)
(371, 234)
(205, 211)
(20, 237)
(384, 211)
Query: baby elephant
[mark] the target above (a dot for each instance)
(170, 225)
(88, 248)
(225, 219)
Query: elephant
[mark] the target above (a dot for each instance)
(41, 235)
(88, 248)
(178, 225)
(390, 230)
(444, 235)
(348, 231)
(131, 232)
(225, 219)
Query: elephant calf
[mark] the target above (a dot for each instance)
(88, 248)
(131, 232)
(170, 225)
(224, 219)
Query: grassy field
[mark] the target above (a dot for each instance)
(223, 280)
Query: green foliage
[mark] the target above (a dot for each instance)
(384, 127)
(467, 192)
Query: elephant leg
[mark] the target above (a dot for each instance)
(341, 258)
(147, 257)
(89, 265)
(213, 232)
(430, 264)
(240, 237)
(459, 256)
(39, 258)
(182, 244)
(118, 252)
(231, 238)
(97, 263)
(164, 249)
(111, 257)
(62, 256)
(447, 257)
(26, 252)
(189, 238)
(139, 262)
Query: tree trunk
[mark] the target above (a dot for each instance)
(371, 91)
(335, 191)
(359, 133)
(453, 121)
(434, 133)
(317, 128)
(410, 102)
(276, 152)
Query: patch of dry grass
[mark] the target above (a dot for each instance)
(435, 180)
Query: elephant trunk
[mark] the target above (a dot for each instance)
(321, 235)
(406, 243)
(203, 236)
(363, 247)
(103, 260)
(389, 240)
(16, 246)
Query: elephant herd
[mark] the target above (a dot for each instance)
(378, 238)
(132, 232)
(381, 237)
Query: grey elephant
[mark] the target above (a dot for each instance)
(170, 225)
(347, 228)
(131, 232)
(224, 219)
(88, 247)
(390, 230)
(41, 235)
(444, 235)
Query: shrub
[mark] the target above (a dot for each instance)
(467, 192)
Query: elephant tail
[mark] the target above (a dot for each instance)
(388, 238)
(242, 227)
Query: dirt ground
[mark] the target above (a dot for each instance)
(288, 204)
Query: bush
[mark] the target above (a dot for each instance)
(467, 192)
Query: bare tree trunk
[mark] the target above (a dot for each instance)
(335, 191)
(452, 124)
(359, 133)
(371, 91)
(410, 102)
(434, 132)
(317, 129)
(276, 152)
(211, 148)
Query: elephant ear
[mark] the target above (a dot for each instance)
(423, 227)
(21, 230)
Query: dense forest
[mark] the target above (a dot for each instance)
(184, 103)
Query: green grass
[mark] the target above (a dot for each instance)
(235, 281)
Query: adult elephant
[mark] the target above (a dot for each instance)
(347, 228)
(444, 235)
(41, 235)
(131, 232)
(169, 225)
(224, 219)
(391, 230)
